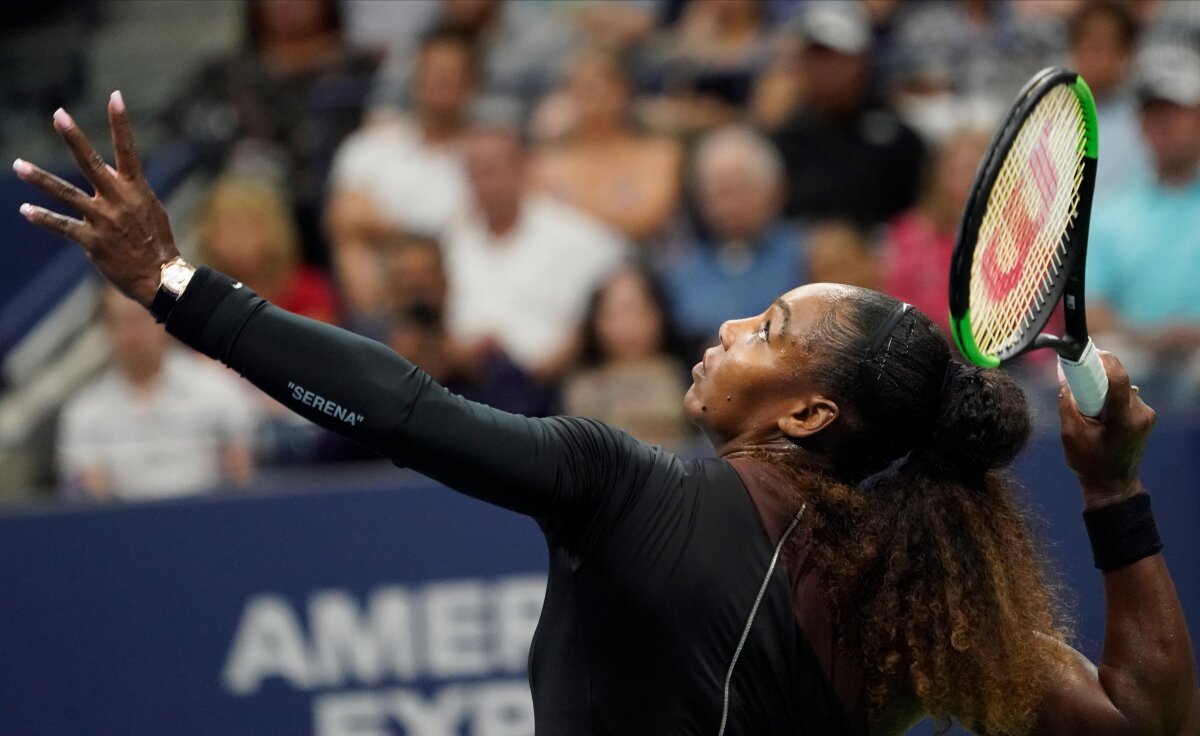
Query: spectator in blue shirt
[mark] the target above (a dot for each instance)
(741, 249)
(1144, 256)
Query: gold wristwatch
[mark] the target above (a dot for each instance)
(175, 276)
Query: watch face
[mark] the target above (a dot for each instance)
(176, 277)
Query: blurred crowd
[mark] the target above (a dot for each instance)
(551, 206)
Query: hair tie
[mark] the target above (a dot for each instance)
(955, 374)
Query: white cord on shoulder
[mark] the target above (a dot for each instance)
(754, 612)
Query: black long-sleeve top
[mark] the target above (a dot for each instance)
(655, 561)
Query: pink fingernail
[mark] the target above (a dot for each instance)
(62, 119)
(27, 209)
(118, 101)
(22, 167)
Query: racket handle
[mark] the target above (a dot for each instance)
(1087, 379)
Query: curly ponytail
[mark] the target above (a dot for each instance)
(935, 581)
(981, 424)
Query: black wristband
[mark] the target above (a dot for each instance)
(1123, 532)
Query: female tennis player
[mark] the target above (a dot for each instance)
(854, 559)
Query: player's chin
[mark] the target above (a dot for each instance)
(693, 403)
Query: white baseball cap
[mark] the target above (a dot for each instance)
(841, 26)
(1169, 72)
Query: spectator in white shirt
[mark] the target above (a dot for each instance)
(159, 423)
(402, 174)
(521, 265)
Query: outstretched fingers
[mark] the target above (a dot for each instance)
(63, 191)
(89, 161)
(128, 163)
(68, 227)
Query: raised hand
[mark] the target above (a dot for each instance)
(1105, 452)
(124, 230)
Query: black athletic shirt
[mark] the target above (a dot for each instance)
(655, 561)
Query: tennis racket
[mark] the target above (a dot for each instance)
(1022, 241)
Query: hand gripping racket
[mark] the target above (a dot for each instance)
(1022, 241)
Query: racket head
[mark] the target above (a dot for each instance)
(1023, 235)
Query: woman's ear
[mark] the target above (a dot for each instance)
(808, 416)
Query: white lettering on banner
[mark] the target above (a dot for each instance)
(467, 628)
(518, 608)
(351, 714)
(342, 641)
(503, 709)
(458, 645)
(498, 708)
(438, 716)
(269, 644)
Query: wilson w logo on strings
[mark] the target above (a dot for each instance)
(1017, 224)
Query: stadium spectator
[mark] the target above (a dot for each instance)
(246, 230)
(521, 47)
(1144, 252)
(602, 165)
(520, 264)
(618, 23)
(741, 248)
(158, 423)
(919, 83)
(416, 272)
(403, 174)
(777, 89)
(706, 68)
(919, 242)
(923, 96)
(989, 48)
(280, 105)
(778, 92)
(420, 288)
(847, 155)
(1103, 35)
(414, 265)
(1174, 23)
(628, 375)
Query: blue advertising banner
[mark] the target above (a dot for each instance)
(397, 607)
(373, 611)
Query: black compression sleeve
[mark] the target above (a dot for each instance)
(549, 469)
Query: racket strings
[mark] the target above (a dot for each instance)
(1025, 232)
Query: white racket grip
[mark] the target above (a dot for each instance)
(1087, 379)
